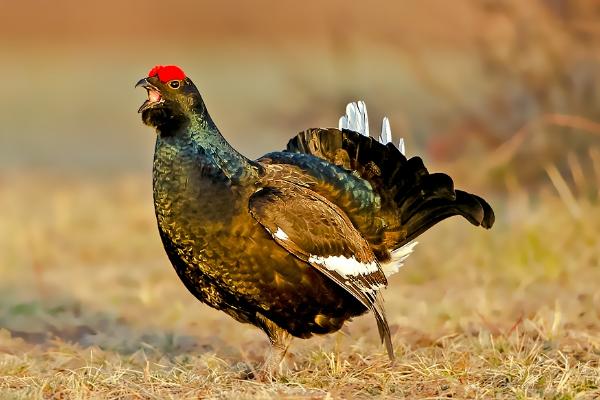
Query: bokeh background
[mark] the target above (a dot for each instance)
(454, 77)
(503, 95)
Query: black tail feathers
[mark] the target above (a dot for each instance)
(412, 199)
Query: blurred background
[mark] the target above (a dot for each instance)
(504, 95)
(455, 78)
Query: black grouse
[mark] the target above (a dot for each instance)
(298, 241)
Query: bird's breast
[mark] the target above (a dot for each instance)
(197, 207)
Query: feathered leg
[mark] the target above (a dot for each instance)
(280, 339)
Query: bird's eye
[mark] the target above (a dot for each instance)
(174, 84)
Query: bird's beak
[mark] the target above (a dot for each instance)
(142, 82)
(154, 95)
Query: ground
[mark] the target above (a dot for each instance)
(91, 308)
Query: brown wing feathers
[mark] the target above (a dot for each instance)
(316, 231)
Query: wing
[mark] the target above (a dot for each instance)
(317, 232)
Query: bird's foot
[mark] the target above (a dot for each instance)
(268, 371)
(274, 368)
(275, 365)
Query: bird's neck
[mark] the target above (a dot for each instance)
(201, 142)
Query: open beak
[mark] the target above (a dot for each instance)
(154, 96)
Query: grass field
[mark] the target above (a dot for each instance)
(91, 308)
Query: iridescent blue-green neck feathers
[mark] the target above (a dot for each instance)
(201, 138)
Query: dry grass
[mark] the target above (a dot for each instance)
(90, 308)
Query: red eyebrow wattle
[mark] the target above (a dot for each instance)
(167, 73)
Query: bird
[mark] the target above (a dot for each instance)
(298, 241)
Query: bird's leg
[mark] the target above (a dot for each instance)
(280, 339)
(274, 364)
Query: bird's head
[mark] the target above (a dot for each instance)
(172, 98)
